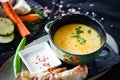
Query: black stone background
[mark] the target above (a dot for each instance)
(105, 11)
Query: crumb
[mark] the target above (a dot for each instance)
(111, 26)
(94, 14)
(102, 18)
(87, 13)
(53, 3)
(79, 8)
(91, 5)
(68, 5)
(60, 6)
(3, 54)
(61, 2)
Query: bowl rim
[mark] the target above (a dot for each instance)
(81, 14)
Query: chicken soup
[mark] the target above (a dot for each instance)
(77, 39)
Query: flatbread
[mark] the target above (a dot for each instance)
(79, 72)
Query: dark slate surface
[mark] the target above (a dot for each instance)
(107, 12)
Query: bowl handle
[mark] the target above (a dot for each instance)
(47, 26)
(104, 53)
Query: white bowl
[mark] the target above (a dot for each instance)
(39, 57)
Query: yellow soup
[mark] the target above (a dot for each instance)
(77, 39)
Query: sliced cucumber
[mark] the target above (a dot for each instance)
(7, 39)
(6, 26)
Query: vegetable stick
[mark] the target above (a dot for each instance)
(30, 17)
(13, 16)
(17, 60)
(7, 11)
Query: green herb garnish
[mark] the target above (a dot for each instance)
(78, 37)
(82, 41)
(89, 31)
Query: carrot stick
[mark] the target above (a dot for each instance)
(13, 16)
(5, 6)
(29, 17)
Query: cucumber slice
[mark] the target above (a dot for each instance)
(6, 26)
(7, 39)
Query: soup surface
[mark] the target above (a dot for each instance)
(77, 39)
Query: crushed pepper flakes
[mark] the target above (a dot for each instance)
(41, 60)
(47, 11)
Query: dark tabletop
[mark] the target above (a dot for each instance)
(105, 11)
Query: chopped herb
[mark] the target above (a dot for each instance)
(78, 37)
(78, 31)
(82, 41)
(89, 31)
(79, 27)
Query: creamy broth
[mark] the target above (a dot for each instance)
(77, 39)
